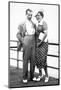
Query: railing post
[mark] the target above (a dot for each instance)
(17, 58)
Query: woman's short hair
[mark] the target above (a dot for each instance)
(41, 13)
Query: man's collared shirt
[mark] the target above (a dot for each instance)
(30, 30)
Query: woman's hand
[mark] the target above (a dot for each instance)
(38, 44)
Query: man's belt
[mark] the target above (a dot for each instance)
(27, 34)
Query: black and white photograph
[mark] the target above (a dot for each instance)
(34, 44)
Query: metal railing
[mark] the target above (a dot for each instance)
(17, 59)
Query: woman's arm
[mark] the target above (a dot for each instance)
(44, 32)
(45, 35)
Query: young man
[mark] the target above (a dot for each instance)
(26, 35)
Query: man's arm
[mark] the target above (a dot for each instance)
(19, 34)
(20, 38)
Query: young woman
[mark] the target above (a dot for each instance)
(41, 46)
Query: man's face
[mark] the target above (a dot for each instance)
(29, 15)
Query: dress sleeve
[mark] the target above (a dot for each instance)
(45, 27)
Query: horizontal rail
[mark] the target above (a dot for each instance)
(16, 47)
(13, 40)
(22, 61)
(16, 59)
(47, 54)
(48, 43)
(53, 67)
(52, 55)
(15, 50)
(53, 43)
(13, 47)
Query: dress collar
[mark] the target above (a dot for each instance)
(41, 22)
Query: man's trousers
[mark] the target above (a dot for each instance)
(28, 55)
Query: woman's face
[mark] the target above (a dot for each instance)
(39, 17)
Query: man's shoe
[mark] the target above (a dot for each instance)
(34, 79)
(25, 80)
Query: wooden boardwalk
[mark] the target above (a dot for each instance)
(15, 80)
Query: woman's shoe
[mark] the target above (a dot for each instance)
(46, 79)
(39, 77)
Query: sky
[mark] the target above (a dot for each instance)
(17, 16)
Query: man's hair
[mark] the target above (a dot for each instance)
(28, 10)
(41, 13)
